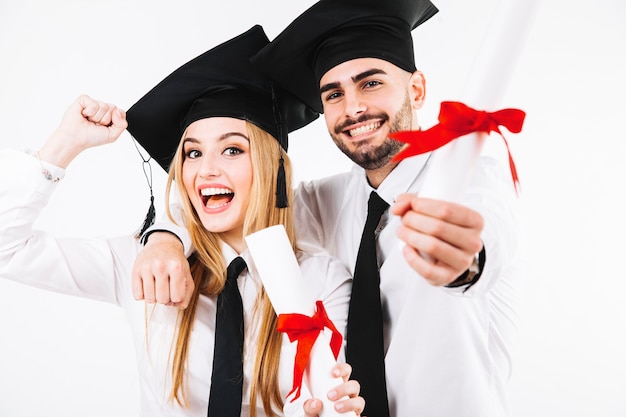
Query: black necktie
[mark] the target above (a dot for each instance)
(365, 349)
(227, 379)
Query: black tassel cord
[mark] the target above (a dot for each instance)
(147, 172)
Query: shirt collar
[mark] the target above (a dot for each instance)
(404, 177)
(229, 254)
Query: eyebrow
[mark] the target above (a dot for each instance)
(220, 138)
(355, 78)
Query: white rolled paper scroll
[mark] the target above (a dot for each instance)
(289, 293)
(452, 165)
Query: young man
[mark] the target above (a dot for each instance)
(447, 299)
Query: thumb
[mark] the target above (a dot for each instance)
(118, 123)
(88, 106)
(401, 204)
(312, 407)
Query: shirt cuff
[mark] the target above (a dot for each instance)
(460, 283)
(169, 227)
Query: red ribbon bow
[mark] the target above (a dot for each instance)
(305, 330)
(457, 119)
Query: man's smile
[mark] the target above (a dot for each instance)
(363, 129)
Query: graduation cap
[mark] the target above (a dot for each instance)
(219, 83)
(335, 31)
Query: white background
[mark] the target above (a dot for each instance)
(61, 355)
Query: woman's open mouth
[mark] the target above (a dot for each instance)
(216, 197)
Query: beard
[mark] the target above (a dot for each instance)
(372, 157)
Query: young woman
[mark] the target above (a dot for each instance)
(224, 130)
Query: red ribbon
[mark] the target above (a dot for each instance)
(305, 330)
(455, 120)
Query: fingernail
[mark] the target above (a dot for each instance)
(339, 406)
(332, 395)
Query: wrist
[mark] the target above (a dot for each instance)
(160, 235)
(57, 172)
(472, 274)
(53, 152)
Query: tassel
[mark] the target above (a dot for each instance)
(147, 172)
(149, 220)
(281, 187)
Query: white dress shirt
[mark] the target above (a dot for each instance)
(448, 352)
(100, 269)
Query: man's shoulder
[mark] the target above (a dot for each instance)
(320, 200)
(326, 185)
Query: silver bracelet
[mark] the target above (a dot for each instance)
(44, 171)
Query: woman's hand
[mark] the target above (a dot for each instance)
(85, 124)
(161, 272)
(346, 395)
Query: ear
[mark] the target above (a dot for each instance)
(417, 90)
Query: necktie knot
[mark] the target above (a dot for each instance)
(235, 268)
(376, 206)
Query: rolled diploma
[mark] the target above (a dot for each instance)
(289, 293)
(452, 165)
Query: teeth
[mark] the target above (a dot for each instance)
(216, 205)
(215, 191)
(364, 129)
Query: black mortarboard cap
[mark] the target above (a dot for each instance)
(334, 31)
(219, 83)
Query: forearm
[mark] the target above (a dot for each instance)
(59, 150)
(491, 195)
(84, 267)
(23, 191)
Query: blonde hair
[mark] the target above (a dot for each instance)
(208, 268)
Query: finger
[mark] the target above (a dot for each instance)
(348, 389)
(312, 407)
(100, 115)
(455, 251)
(466, 238)
(118, 123)
(342, 370)
(421, 233)
(447, 211)
(91, 109)
(432, 270)
(89, 106)
(162, 290)
(401, 204)
(149, 291)
(106, 118)
(181, 290)
(356, 404)
(177, 275)
(137, 286)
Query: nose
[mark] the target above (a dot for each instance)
(354, 104)
(209, 167)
